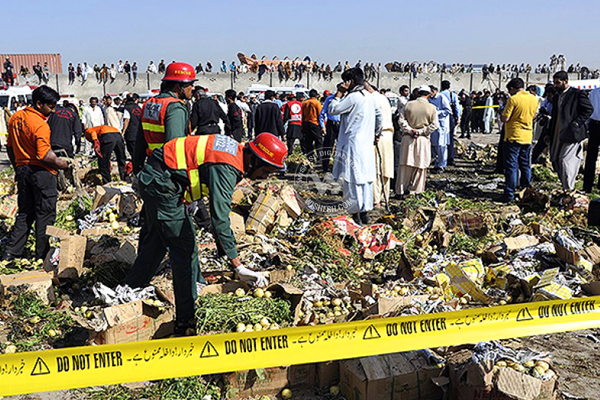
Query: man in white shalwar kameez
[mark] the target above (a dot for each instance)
(354, 163)
(441, 137)
(384, 149)
(417, 122)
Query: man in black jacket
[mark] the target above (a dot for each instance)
(205, 116)
(268, 117)
(64, 126)
(132, 121)
(234, 113)
(571, 108)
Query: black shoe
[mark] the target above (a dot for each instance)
(364, 217)
(506, 199)
(356, 218)
(184, 330)
(8, 257)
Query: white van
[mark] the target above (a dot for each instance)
(259, 91)
(12, 95)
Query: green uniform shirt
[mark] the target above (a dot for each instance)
(177, 124)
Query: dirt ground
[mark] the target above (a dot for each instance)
(575, 355)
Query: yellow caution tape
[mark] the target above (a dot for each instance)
(171, 358)
(476, 107)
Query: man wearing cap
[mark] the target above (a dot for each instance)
(165, 116)
(176, 172)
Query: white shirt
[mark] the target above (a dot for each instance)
(152, 68)
(595, 100)
(93, 117)
(360, 118)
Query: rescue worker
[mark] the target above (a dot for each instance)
(107, 140)
(28, 147)
(219, 162)
(165, 116)
(292, 114)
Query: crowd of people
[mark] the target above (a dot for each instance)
(296, 69)
(182, 139)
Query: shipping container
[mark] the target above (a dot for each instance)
(29, 60)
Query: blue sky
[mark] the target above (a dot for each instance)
(467, 31)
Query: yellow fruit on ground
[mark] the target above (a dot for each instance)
(259, 293)
(114, 225)
(239, 292)
(268, 294)
(334, 390)
(10, 349)
(286, 394)
(241, 327)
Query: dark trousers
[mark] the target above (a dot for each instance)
(110, 142)
(592, 156)
(540, 146)
(130, 143)
(451, 142)
(517, 158)
(293, 133)
(465, 122)
(169, 228)
(313, 139)
(332, 130)
(500, 159)
(37, 203)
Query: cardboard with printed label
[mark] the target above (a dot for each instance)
(133, 322)
(292, 201)
(269, 381)
(9, 206)
(38, 282)
(71, 253)
(263, 212)
(398, 376)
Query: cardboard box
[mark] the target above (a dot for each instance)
(263, 213)
(9, 206)
(398, 376)
(293, 203)
(237, 225)
(520, 242)
(134, 322)
(269, 381)
(127, 201)
(478, 381)
(39, 282)
(71, 255)
(328, 374)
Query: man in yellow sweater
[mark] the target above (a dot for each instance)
(518, 117)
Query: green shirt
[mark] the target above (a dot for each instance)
(177, 124)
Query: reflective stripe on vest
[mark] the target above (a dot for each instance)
(153, 121)
(190, 152)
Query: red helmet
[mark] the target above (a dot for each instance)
(179, 72)
(270, 149)
(326, 93)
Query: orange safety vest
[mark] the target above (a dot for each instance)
(188, 153)
(153, 121)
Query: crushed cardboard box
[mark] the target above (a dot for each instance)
(9, 206)
(263, 213)
(481, 381)
(131, 322)
(398, 376)
(38, 282)
(71, 253)
(269, 381)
